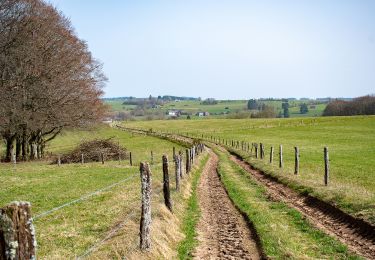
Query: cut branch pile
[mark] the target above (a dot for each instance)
(92, 152)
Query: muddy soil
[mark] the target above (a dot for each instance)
(222, 231)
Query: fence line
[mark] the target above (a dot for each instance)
(193, 150)
(85, 197)
(259, 152)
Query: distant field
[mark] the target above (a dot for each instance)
(117, 105)
(222, 108)
(70, 231)
(351, 142)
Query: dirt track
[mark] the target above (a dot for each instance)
(222, 231)
(358, 235)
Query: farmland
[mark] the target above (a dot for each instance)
(95, 226)
(223, 108)
(350, 141)
(72, 230)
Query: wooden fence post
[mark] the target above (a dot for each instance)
(281, 156)
(130, 159)
(191, 158)
(177, 172)
(17, 233)
(59, 160)
(187, 161)
(296, 160)
(180, 168)
(145, 237)
(82, 159)
(174, 153)
(326, 166)
(271, 155)
(261, 151)
(256, 151)
(166, 190)
(14, 158)
(152, 158)
(102, 157)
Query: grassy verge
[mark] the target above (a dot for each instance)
(191, 218)
(169, 231)
(283, 231)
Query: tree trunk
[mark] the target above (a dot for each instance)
(9, 148)
(18, 148)
(25, 149)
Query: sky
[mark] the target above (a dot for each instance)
(230, 49)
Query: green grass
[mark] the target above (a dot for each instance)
(350, 141)
(117, 105)
(191, 219)
(283, 231)
(70, 231)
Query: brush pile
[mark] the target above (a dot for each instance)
(93, 150)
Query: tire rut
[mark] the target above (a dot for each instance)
(358, 235)
(223, 233)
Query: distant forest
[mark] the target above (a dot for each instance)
(358, 106)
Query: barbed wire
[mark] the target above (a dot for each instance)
(85, 197)
(94, 247)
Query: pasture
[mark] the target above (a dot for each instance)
(72, 230)
(222, 108)
(350, 141)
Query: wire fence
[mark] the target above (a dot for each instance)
(157, 192)
(85, 197)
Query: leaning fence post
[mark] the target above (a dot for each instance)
(130, 159)
(177, 172)
(281, 156)
(271, 155)
(17, 233)
(326, 166)
(145, 226)
(296, 160)
(166, 190)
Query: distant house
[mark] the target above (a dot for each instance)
(202, 114)
(174, 113)
(107, 121)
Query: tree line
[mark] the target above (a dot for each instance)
(359, 106)
(48, 78)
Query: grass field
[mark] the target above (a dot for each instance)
(68, 232)
(350, 141)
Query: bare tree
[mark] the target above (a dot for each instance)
(49, 79)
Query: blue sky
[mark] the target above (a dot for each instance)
(230, 49)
